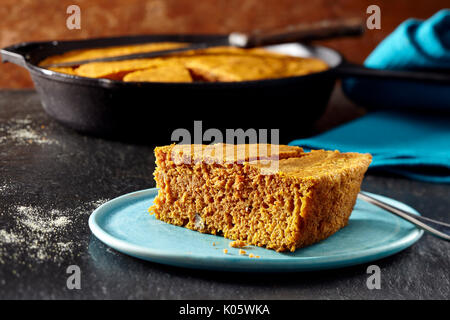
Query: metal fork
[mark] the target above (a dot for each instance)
(436, 228)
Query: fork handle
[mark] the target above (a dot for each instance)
(436, 228)
(325, 29)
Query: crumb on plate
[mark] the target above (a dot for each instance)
(237, 244)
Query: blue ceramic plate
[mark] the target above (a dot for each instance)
(125, 225)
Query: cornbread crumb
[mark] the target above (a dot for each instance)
(225, 251)
(214, 244)
(237, 244)
(242, 252)
(251, 255)
(257, 257)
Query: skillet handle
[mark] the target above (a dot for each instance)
(14, 55)
(347, 69)
(325, 29)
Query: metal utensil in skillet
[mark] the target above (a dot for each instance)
(295, 33)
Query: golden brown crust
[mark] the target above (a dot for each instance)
(316, 163)
(117, 69)
(94, 53)
(213, 64)
(230, 68)
(174, 72)
(227, 153)
(309, 197)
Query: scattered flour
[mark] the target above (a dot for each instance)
(42, 235)
(31, 218)
(20, 131)
(34, 233)
(7, 237)
(25, 121)
(93, 204)
(5, 185)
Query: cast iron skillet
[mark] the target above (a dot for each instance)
(149, 112)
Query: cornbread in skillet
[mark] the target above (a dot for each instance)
(281, 199)
(224, 64)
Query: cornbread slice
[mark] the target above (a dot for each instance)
(282, 199)
(116, 70)
(166, 73)
(94, 53)
(230, 68)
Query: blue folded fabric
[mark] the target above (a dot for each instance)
(410, 144)
(414, 45)
(413, 144)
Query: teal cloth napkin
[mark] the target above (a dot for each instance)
(413, 144)
(414, 45)
(409, 144)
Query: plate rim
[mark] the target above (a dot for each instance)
(282, 264)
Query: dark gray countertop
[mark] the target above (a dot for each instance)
(52, 178)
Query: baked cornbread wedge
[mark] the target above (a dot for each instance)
(174, 72)
(116, 70)
(230, 68)
(93, 53)
(273, 196)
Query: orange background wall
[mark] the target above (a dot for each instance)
(32, 20)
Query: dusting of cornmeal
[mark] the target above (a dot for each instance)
(42, 235)
(36, 234)
(31, 218)
(7, 237)
(20, 131)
